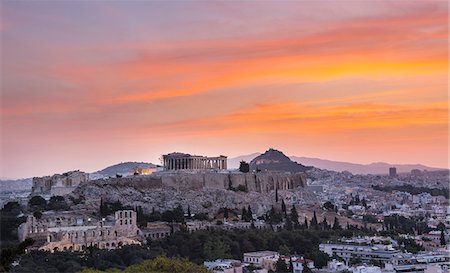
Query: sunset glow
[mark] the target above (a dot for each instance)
(86, 84)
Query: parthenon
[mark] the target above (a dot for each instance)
(181, 161)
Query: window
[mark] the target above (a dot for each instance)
(120, 215)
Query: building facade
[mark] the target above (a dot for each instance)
(52, 234)
(181, 161)
(367, 253)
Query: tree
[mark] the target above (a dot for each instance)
(37, 202)
(288, 223)
(274, 216)
(280, 266)
(336, 225)
(57, 203)
(244, 167)
(37, 214)
(325, 223)
(216, 249)
(276, 195)
(328, 206)
(442, 239)
(284, 250)
(225, 213)
(294, 217)
(364, 202)
(305, 225)
(283, 208)
(250, 213)
(244, 215)
(103, 208)
(314, 222)
(189, 212)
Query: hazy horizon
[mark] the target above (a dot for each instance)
(87, 84)
(229, 157)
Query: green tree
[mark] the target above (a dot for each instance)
(281, 267)
(37, 214)
(328, 206)
(37, 203)
(289, 224)
(442, 239)
(294, 217)
(216, 249)
(244, 215)
(250, 213)
(244, 167)
(324, 224)
(314, 222)
(57, 203)
(284, 250)
(283, 208)
(336, 225)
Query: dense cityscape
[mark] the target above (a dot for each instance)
(269, 215)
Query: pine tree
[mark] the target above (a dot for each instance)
(250, 213)
(314, 222)
(443, 243)
(336, 225)
(276, 195)
(288, 223)
(324, 223)
(189, 212)
(294, 217)
(244, 214)
(283, 207)
(225, 213)
(102, 212)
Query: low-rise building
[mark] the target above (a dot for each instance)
(263, 259)
(224, 266)
(381, 253)
(158, 230)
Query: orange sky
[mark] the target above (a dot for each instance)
(89, 84)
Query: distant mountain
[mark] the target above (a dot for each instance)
(338, 166)
(15, 185)
(122, 168)
(373, 168)
(233, 163)
(275, 160)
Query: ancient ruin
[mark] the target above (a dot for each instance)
(181, 161)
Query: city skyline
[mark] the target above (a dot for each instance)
(90, 84)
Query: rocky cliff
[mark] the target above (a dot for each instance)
(202, 192)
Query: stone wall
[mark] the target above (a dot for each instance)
(262, 182)
(202, 192)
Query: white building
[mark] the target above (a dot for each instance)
(381, 253)
(263, 259)
(224, 266)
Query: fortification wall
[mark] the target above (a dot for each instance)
(262, 182)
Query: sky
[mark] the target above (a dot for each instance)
(87, 84)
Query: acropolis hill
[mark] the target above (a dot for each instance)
(202, 183)
(203, 191)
